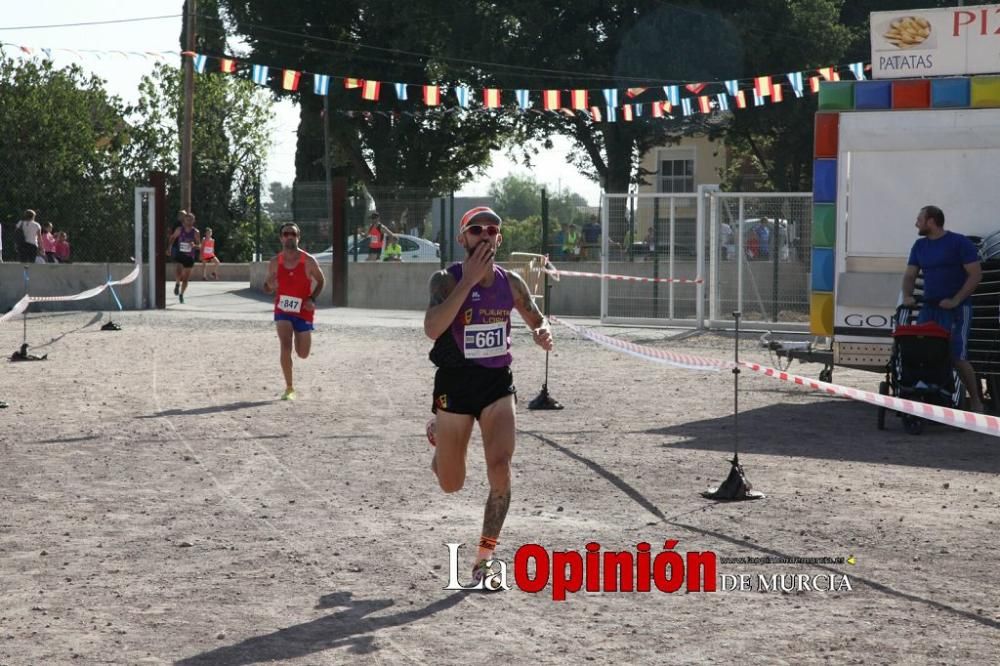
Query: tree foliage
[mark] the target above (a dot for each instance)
(64, 148)
(518, 200)
(390, 149)
(229, 145)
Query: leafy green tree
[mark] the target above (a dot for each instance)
(390, 148)
(230, 141)
(280, 205)
(64, 145)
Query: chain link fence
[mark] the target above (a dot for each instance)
(760, 256)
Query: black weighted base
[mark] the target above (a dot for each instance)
(735, 488)
(23, 355)
(544, 401)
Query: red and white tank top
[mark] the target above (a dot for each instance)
(294, 287)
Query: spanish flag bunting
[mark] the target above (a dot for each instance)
(776, 93)
(741, 99)
(814, 84)
(627, 113)
(578, 99)
(227, 65)
(290, 79)
(370, 90)
(551, 100)
(432, 95)
(595, 113)
(491, 98)
(352, 83)
(704, 104)
(829, 73)
(762, 86)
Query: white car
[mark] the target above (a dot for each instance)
(415, 249)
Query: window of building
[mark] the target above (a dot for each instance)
(675, 172)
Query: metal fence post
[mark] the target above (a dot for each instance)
(451, 226)
(775, 249)
(656, 256)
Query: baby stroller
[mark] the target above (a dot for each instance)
(920, 368)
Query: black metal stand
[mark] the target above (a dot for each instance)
(110, 325)
(543, 401)
(736, 487)
(22, 353)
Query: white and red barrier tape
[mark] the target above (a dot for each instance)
(558, 272)
(548, 267)
(982, 423)
(25, 301)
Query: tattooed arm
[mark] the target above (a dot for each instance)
(529, 311)
(446, 300)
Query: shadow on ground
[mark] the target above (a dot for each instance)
(353, 628)
(837, 430)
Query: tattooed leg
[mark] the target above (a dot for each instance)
(497, 423)
(496, 512)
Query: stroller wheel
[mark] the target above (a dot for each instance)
(883, 389)
(913, 425)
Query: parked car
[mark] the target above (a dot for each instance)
(414, 249)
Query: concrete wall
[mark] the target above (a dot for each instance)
(66, 280)
(69, 279)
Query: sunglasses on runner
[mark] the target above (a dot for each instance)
(477, 229)
(289, 234)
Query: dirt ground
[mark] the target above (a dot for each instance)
(159, 505)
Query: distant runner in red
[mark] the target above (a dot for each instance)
(296, 280)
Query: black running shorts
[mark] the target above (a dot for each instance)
(185, 260)
(471, 389)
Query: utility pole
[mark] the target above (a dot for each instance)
(190, 8)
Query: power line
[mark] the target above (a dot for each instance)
(88, 23)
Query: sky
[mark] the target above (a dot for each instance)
(42, 24)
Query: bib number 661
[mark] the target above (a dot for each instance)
(486, 339)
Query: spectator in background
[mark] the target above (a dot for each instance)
(392, 251)
(591, 238)
(62, 248)
(375, 237)
(650, 241)
(48, 244)
(29, 240)
(727, 247)
(763, 239)
(571, 243)
(555, 247)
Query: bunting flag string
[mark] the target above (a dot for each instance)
(290, 80)
(321, 84)
(259, 74)
(689, 98)
(795, 79)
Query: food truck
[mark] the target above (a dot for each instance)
(923, 130)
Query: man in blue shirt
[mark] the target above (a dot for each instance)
(950, 264)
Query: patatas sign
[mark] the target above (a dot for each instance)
(935, 42)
